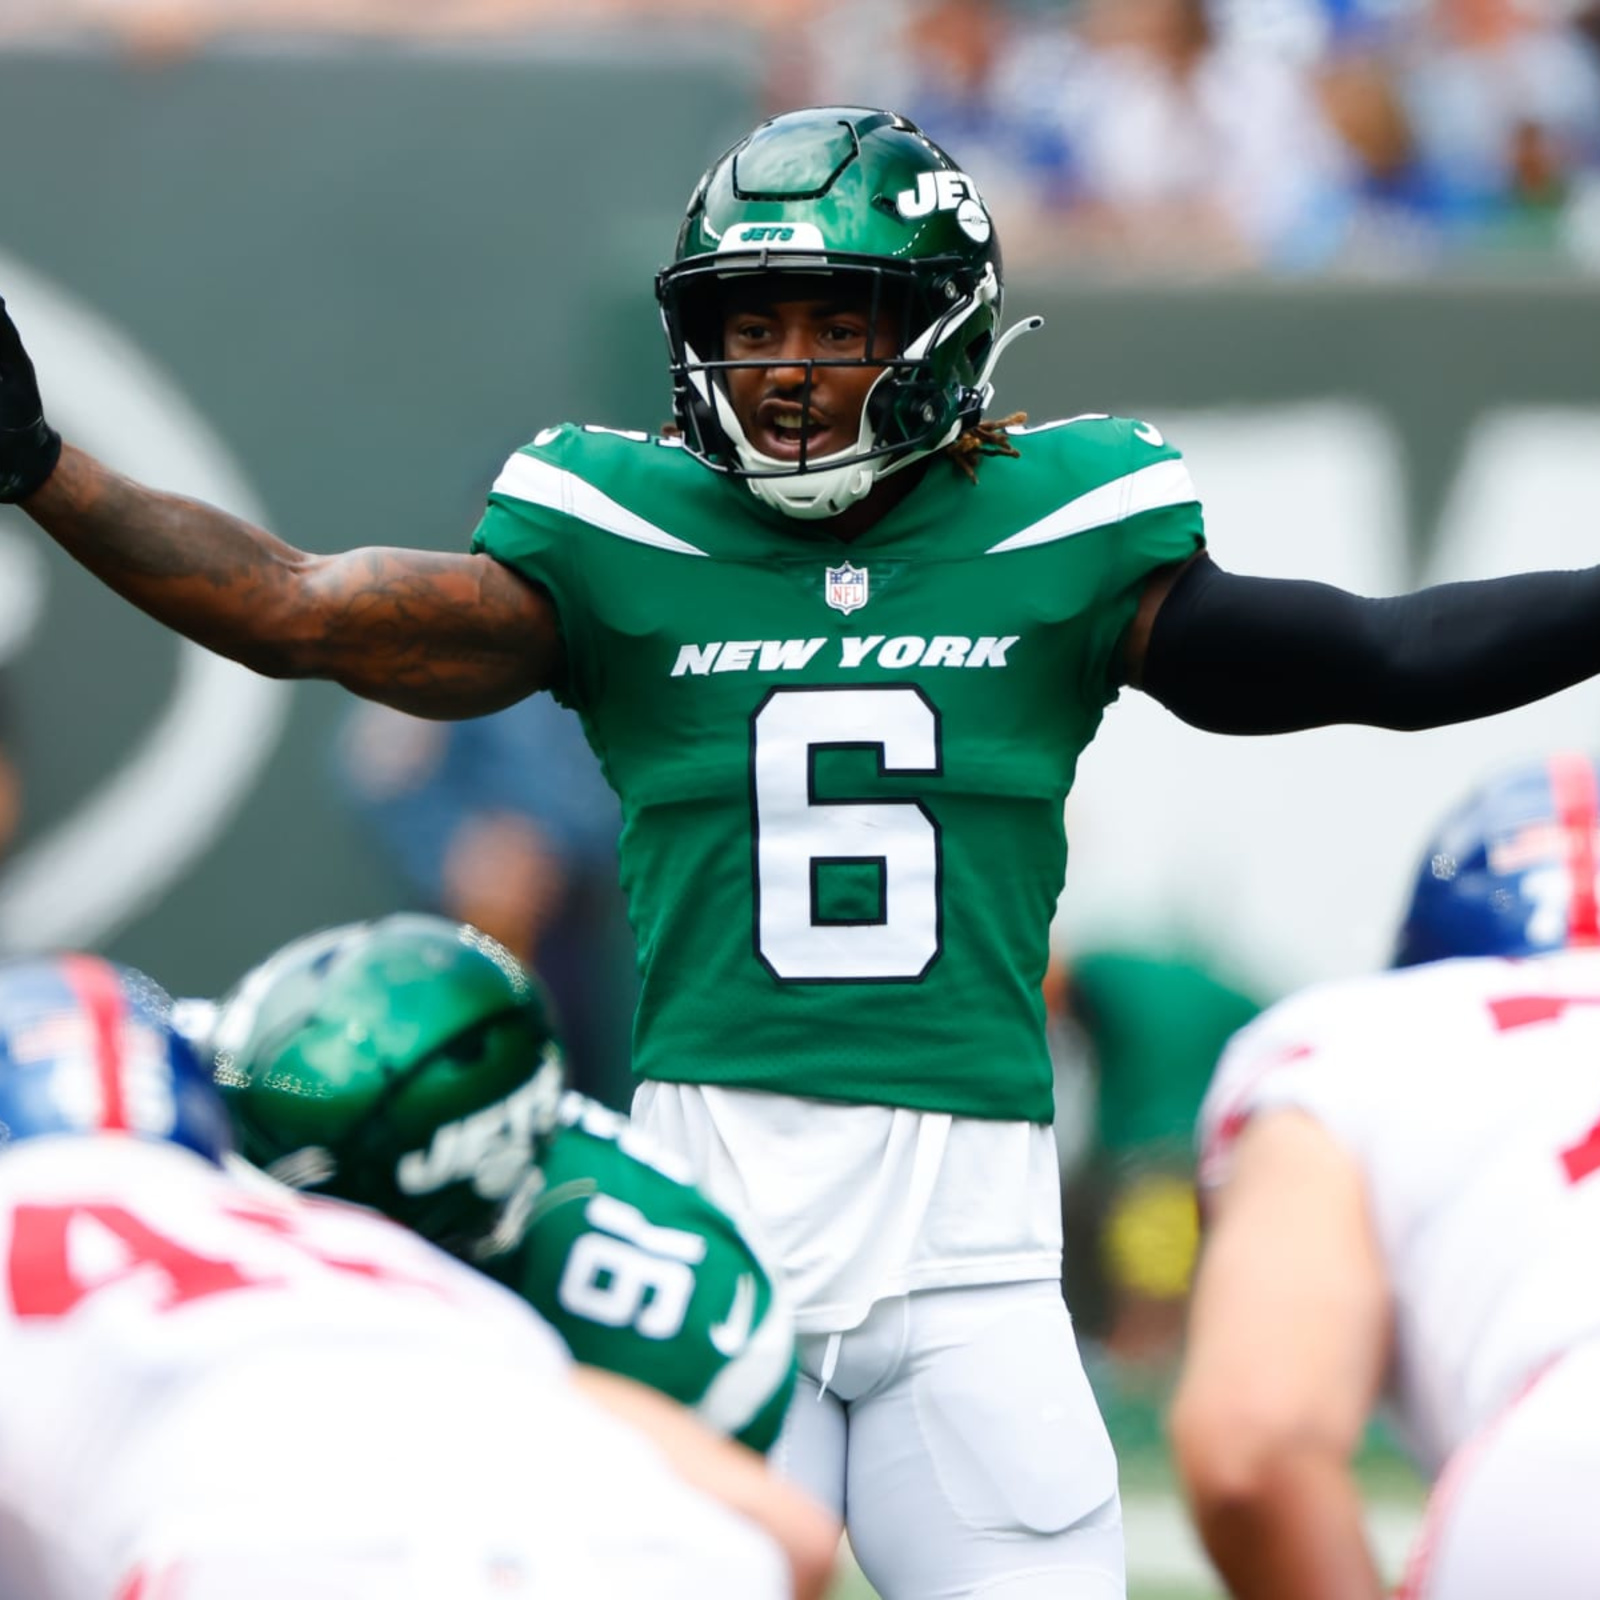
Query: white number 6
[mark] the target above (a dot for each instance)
(796, 835)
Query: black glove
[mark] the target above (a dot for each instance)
(29, 446)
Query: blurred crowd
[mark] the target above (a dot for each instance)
(1187, 137)
(1383, 136)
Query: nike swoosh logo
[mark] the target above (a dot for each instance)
(1150, 435)
(732, 1334)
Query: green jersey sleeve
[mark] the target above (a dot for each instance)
(574, 485)
(532, 537)
(1130, 494)
(640, 1274)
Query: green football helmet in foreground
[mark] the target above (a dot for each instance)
(408, 1064)
(846, 201)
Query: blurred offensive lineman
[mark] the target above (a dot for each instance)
(411, 1065)
(1404, 1189)
(839, 644)
(213, 1390)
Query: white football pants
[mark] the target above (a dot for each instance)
(1513, 1512)
(956, 1434)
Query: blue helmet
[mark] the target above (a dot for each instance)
(1512, 870)
(88, 1047)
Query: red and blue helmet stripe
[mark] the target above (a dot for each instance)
(1513, 870)
(87, 1046)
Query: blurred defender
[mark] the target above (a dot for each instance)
(213, 1391)
(1404, 1185)
(411, 1064)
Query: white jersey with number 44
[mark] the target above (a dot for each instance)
(1469, 1093)
(224, 1392)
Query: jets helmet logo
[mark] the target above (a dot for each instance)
(845, 588)
(946, 191)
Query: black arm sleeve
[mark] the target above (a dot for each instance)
(1269, 655)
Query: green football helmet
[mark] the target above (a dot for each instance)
(865, 200)
(408, 1064)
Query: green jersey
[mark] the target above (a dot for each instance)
(842, 766)
(1156, 1025)
(642, 1275)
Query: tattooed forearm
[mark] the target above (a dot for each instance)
(441, 635)
(438, 635)
(133, 537)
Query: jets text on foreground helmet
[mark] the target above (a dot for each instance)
(860, 203)
(87, 1047)
(1512, 870)
(407, 1064)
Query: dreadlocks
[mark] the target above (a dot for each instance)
(984, 438)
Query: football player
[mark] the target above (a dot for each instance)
(410, 1064)
(1403, 1180)
(843, 847)
(222, 1391)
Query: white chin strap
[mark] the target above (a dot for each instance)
(830, 484)
(833, 483)
(811, 495)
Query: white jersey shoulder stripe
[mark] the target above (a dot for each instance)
(1163, 483)
(1021, 430)
(541, 484)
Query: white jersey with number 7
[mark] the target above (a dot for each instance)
(1469, 1093)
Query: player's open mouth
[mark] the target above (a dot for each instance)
(784, 431)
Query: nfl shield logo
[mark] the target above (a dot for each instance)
(846, 588)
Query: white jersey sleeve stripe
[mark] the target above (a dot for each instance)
(1163, 483)
(541, 484)
(1021, 430)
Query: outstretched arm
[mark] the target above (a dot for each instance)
(1288, 1335)
(435, 634)
(1248, 655)
(439, 635)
